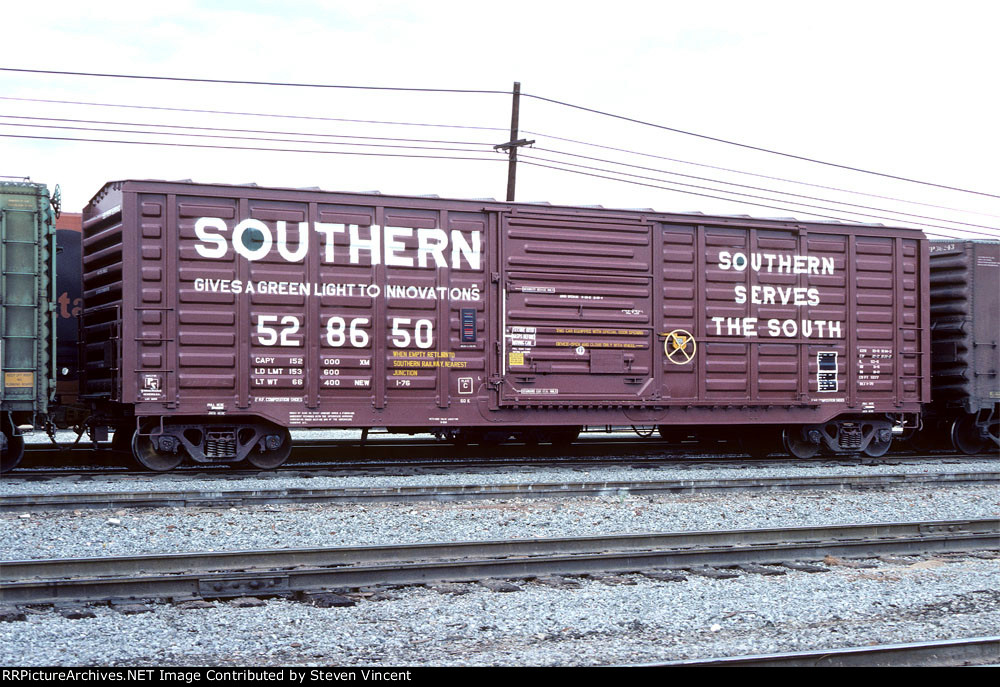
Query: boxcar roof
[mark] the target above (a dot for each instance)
(499, 204)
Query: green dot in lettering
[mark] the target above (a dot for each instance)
(252, 238)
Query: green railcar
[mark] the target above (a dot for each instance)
(27, 311)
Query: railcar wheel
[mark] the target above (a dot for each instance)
(279, 448)
(876, 448)
(798, 447)
(965, 435)
(13, 451)
(148, 454)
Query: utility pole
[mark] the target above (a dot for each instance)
(514, 143)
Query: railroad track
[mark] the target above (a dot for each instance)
(948, 652)
(290, 571)
(408, 458)
(233, 498)
(377, 454)
(384, 440)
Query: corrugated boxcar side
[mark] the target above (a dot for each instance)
(107, 249)
(322, 332)
(965, 287)
(481, 312)
(594, 305)
(27, 278)
(577, 310)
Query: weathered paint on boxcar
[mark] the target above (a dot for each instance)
(27, 318)
(317, 309)
(69, 306)
(965, 343)
(763, 302)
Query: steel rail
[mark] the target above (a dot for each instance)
(398, 453)
(307, 447)
(948, 652)
(219, 498)
(513, 456)
(240, 573)
(407, 442)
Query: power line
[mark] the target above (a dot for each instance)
(500, 92)
(252, 114)
(48, 119)
(767, 190)
(250, 148)
(243, 131)
(437, 157)
(796, 202)
(241, 138)
(237, 138)
(716, 139)
(237, 82)
(456, 126)
(715, 197)
(705, 195)
(758, 175)
(668, 188)
(418, 147)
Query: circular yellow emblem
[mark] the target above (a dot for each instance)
(679, 347)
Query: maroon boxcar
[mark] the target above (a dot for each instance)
(965, 345)
(216, 317)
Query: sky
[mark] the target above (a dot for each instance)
(906, 89)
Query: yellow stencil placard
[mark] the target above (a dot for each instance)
(516, 358)
(19, 380)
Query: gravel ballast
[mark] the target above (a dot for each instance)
(125, 532)
(288, 479)
(599, 623)
(623, 619)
